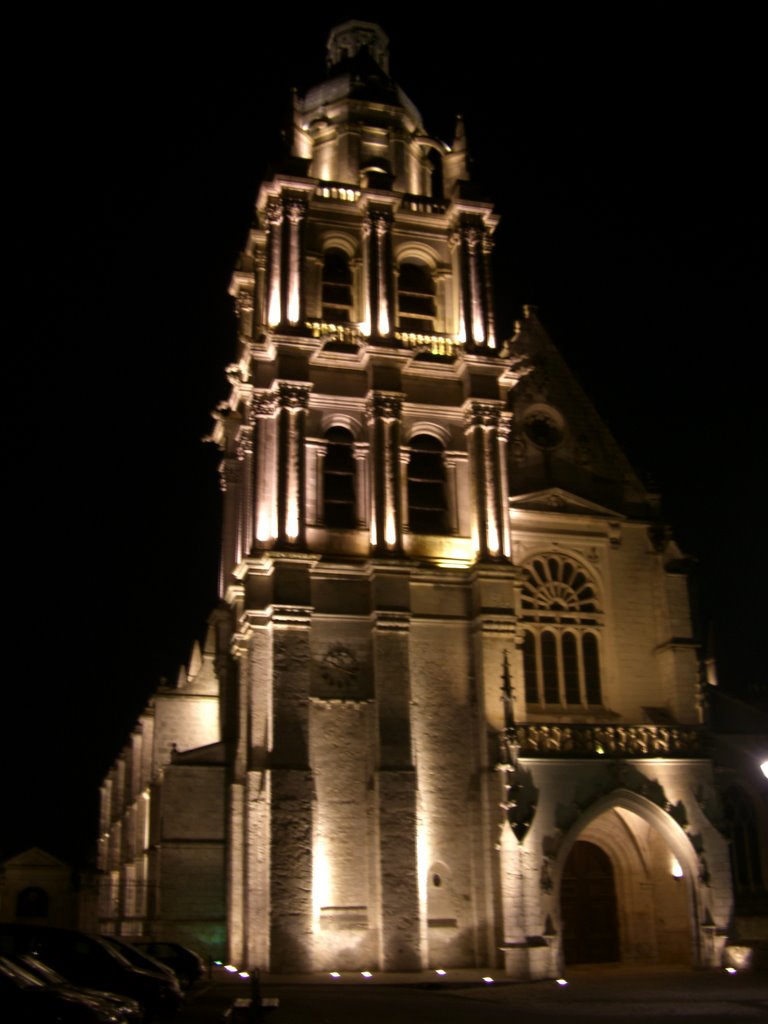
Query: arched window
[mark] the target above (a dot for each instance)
(339, 480)
(561, 641)
(436, 174)
(416, 298)
(32, 902)
(427, 505)
(337, 287)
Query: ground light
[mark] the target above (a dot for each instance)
(764, 768)
(488, 981)
(561, 981)
(366, 974)
(243, 974)
(730, 970)
(335, 974)
(440, 972)
(231, 968)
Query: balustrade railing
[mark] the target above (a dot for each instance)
(435, 344)
(348, 334)
(608, 740)
(336, 190)
(422, 204)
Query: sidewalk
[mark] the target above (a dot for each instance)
(612, 993)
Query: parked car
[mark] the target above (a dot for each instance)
(138, 958)
(187, 965)
(88, 961)
(126, 1009)
(25, 999)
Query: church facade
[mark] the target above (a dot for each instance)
(448, 710)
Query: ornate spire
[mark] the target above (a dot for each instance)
(347, 40)
(519, 802)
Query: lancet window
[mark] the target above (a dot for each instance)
(416, 298)
(339, 479)
(561, 639)
(337, 287)
(427, 505)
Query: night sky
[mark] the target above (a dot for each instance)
(621, 145)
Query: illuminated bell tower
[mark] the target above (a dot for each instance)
(463, 644)
(364, 461)
(453, 661)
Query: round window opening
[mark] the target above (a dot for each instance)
(544, 428)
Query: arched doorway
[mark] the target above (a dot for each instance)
(588, 906)
(624, 894)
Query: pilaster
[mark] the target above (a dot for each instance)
(292, 404)
(395, 780)
(383, 412)
(490, 526)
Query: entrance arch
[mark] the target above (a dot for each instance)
(627, 850)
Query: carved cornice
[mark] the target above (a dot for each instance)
(391, 622)
(274, 213)
(291, 616)
(263, 405)
(382, 405)
(482, 414)
(244, 300)
(291, 395)
(245, 442)
(379, 221)
(472, 236)
(504, 427)
(229, 473)
(295, 208)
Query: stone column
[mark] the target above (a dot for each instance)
(245, 457)
(292, 400)
(357, 269)
(293, 309)
(362, 484)
(377, 232)
(476, 300)
(264, 459)
(259, 288)
(503, 431)
(396, 792)
(313, 285)
(490, 333)
(383, 417)
(320, 453)
(229, 476)
(274, 219)
(487, 480)
(291, 794)
(367, 292)
(452, 494)
(444, 318)
(473, 242)
(244, 307)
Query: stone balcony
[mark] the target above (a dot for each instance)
(631, 741)
(350, 334)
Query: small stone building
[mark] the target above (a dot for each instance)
(38, 888)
